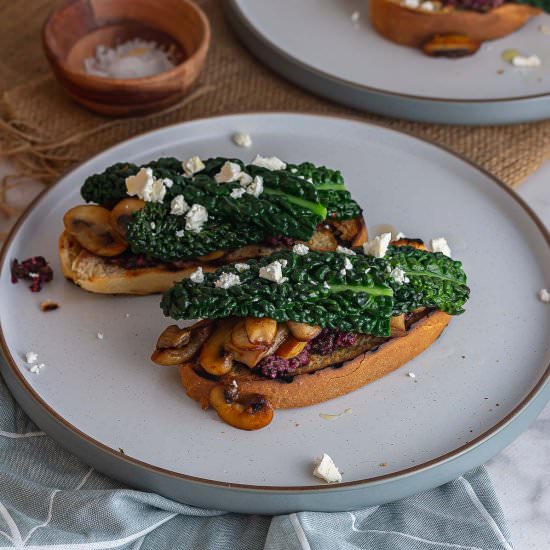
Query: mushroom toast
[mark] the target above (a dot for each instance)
(300, 327)
(450, 28)
(153, 225)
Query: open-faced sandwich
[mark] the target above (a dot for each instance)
(301, 327)
(153, 225)
(449, 28)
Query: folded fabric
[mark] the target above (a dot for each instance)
(50, 499)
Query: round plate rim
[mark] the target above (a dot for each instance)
(302, 489)
(233, 7)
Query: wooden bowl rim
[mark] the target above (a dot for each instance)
(507, 6)
(90, 79)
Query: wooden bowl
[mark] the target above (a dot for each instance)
(74, 30)
(414, 27)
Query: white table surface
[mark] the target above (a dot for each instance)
(520, 472)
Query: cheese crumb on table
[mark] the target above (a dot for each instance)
(544, 295)
(242, 139)
(526, 61)
(230, 171)
(326, 469)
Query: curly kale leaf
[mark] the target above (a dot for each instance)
(152, 232)
(434, 281)
(358, 300)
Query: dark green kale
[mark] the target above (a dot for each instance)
(434, 281)
(320, 290)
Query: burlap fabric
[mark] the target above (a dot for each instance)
(44, 132)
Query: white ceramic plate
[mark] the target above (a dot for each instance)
(99, 396)
(316, 44)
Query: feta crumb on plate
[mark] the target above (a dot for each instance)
(197, 276)
(273, 272)
(544, 295)
(36, 368)
(100, 336)
(526, 61)
(378, 246)
(227, 280)
(440, 245)
(31, 357)
(271, 163)
(301, 249)
(355, 16)
(411, 375)
(242, 139)
(326, 469)
(192, 166)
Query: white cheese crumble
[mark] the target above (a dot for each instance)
(326, 469)
(31, 357)
(36, 368)
(355, 16)
(167, 182)
(242, 139)
(197, 276)
(241, 267)
(427, 6)
(344, 250)
(180, 233)
(440, 245)
(544, 29)
(399, 236)
(301, 249)
(237, 193)
(411, 4)
(178, 206)
(271, 163)
(399, 275)
(326, 285)
(100, 336)
(273, 272)
(127, 316)
(256, 188)
(192, 166)
(378, 246)
(229, 172)
(411, 375)
(227, 280)
(153, 225)
(196, 218)
(348, 266)
(544, 295)
(145, 186)
(526, 61)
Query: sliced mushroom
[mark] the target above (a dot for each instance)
(213, 357)
(121, 214)
(303, 331)
(290, 348)
(261, 330)
(91, 226)
(450, 45)
(174, 337)
(241, 340)
(251, 358)
(397, 325)
(415, 243)
(252, 412)
(215, 255)
(176, 356)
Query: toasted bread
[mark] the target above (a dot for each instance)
(97, 274)
(383, 355)
(414, 27)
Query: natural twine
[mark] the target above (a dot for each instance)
(44, 132)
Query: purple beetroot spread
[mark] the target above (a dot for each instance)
(280, 240)
(326, 342)
(34, 269)
(476, 5)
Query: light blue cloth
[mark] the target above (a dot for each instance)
(50, 499)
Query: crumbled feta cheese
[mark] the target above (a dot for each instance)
(242, 139)
(167, 182)
(227, 280)
(31, 357)
(327, 470)
(100, 336)
(343, 272)
(348, 266)
(529, 61)
(180, 233)
(427, 6)
(344, 250)
(440, 245)
(196, 218)
(378, 246)
(197, 276)
(237, 193)
(399, 236)
(229, 172)
(153, 225)
(326, 285)
(192, 166)
(544, 29)
(242, 267)
(411, 3)
(145, 186)
(245, 179)
(255, 188)
(271, 163)
(355, 16)
(411, 375)
(544, 295)
(273, 272)
(399, 275)
(301, 249)
(283, 263)
(178, 206)
(36, 368)
(127, 316)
